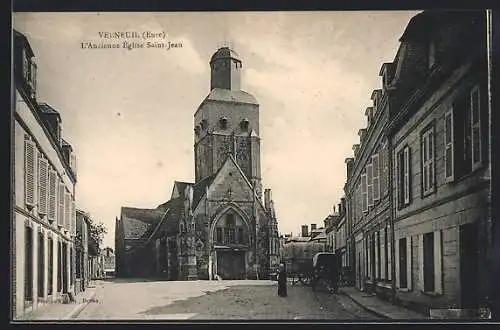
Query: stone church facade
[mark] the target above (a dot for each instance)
(222, 224)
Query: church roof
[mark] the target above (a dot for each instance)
(227, 95)
(139, 223)
(199, 189)
(225, 52)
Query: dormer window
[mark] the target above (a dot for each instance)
(223, 122)
(244, 124)
(204, 124)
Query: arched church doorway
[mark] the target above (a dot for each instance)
(231, 239)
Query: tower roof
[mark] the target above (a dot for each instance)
(225, 52)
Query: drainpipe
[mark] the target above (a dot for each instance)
(492, 209)
(392, 213)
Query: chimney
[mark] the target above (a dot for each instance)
(342, 202)
(313, 227)
(305, 231)
(267, 199)
(340, 209)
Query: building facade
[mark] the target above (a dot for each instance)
(82, 251)
(439, 138)
(367, 200)
(223, 224)
(44, 178)
(418, 187)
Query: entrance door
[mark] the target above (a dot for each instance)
(64, 268)
(231, 265)
(468, 265)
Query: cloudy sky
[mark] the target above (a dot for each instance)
(129, 113)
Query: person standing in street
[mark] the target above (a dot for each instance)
(282, 290)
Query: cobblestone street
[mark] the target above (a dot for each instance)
(222, 300)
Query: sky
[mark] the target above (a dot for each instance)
(129, 113)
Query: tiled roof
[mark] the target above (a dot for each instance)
(139, 223)
(199, 189)
(227, 95)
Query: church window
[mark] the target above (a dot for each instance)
(218, 237)
(230, 220)
(241, 238)
(204, 124)
(223, 122)
(197, 129)
(244, 124)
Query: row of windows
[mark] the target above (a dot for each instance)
(44, 189)
(45, 254)
(462, 148)
(230, 235)
(429, 258)
(377, 247)
(223, 124)
(373, 183)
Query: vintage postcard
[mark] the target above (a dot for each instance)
(330, 166)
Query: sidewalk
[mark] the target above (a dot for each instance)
(60, 311)
(379, 306)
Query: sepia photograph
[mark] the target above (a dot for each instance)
(285, 165)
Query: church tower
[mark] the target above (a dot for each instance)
(227, 122)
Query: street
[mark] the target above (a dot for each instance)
(222, 300)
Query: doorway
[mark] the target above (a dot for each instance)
(469, 286)
(64, 268)
(28, 273)
(231, 265)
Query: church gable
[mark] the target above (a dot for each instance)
(230, 183)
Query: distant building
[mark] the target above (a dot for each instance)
(220, 224)
(44, 178)
(82, 251)
(109, 262)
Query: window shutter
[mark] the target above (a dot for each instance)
(60, 213)
(448, 146)
(387, 159)
(406, 176)
(409, 262)
(376, 180)
(382, 255)
(364, 193)
(369, 173)
(389, 254)
(52, 195)
(476, 127)
(420, 262)
(42, 185)
(66, 210)
(438, 273)
(73, 218)
(29, 173)
(398, 271)
(431, 160)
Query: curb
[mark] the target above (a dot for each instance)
(76, 311)
(371, 310)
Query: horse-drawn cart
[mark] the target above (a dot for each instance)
(298, 260)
